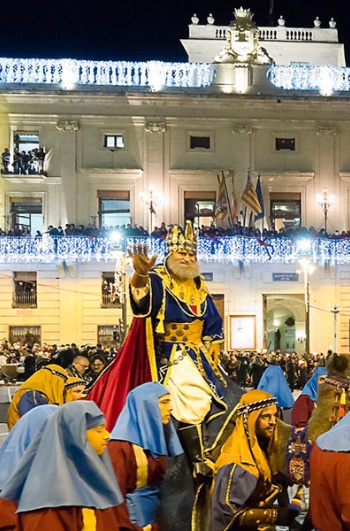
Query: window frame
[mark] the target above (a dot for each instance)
(20, 298)
(200, 134)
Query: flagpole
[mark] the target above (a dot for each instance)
(229, 213)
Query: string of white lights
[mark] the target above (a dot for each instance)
(71, 72)
(228, 249)
(324, 78)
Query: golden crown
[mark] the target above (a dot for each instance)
(178, 240)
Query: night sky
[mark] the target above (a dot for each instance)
(139, 30)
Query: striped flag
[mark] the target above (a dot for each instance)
(250, 199)
(260, 199)
(221, 211)
(234, 206)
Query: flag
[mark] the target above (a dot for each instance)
(250, 199)
(234, 205)
(221, 211)
(260, 199)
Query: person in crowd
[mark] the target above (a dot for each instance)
(140, 442)
(305, 403)
(243, 493)
(69, 465)
(29, 363)
(257, 368)
(44, 387)
(79, 367)
(5, 160)
(330, 478)
(291, 371)
(97, 364)
(242, 369)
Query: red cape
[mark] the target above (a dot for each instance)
(130, 368)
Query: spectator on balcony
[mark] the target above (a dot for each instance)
(53, 231)
(5, 160)
(40, 155)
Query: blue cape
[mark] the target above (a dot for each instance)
(19, 438)
(140, 422)
(337, 439)
(274, 382)
(310, 388)
(62, 466)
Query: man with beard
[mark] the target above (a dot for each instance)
(187, 327)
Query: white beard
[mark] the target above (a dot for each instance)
(181, 271)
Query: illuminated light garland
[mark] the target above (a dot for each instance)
(323, 78)
(228, 249)
(70, 72)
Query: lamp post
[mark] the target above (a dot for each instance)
(335, 310)
(308, 268)
(325, 201)
(152, 199)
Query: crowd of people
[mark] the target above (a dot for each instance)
(205, 231)
(23, 162)
(246, 368)
(86, 362)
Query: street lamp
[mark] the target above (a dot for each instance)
(325, 201)
(335, 310)
(308, 268)
(152, 199)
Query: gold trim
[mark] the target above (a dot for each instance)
(89, 519)
(142, 466)
(150, 349)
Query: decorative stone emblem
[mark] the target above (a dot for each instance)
(242, 42)
(67, 125)
(155, 127)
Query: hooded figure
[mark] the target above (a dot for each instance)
(274, 382)
(65, 479)
(46, 386)
(12, 451)
(140, 442)
(243, 493)
(330, 478)
(20, 437)
(305, 403)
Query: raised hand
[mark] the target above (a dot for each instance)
(141, 263)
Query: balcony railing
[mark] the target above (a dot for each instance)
(24, 299)
(110, 300)
(228, 249)
(71, 72)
